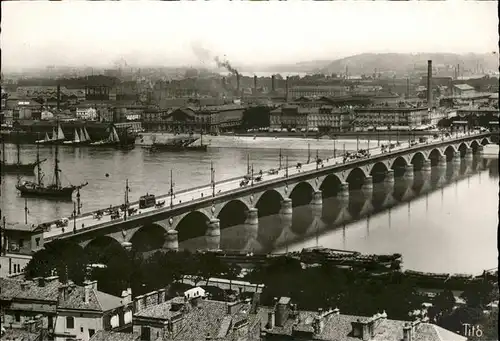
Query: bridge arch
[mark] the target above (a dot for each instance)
(148, 237)
(417, 160)
(378, 171)
(475, 145)
(399, 166)
(192, 225)
(233, 213)
(330, 185)
(356, 178)
(269, 203)
(434, 155)
(301, 193)
(462, 149)
(449, 152)
(485, 141)
(103, 249)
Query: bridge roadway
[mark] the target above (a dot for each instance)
(87, 221)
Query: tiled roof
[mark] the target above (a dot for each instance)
(19, 335)
(98, 300)
(160, 311)
(12, 288)
(464, 87)
(339, 328)
(102, 335)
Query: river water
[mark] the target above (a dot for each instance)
(443, 221)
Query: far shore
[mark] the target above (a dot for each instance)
(269, 142)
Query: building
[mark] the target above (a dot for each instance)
(325, 118)
(317, 91)
(63, 311)
(463, 89)
(285, 322)
(396, 118)
(82, 311)
(87, 113)
(103, 335)
(23, 108)
(19, 242)
(212, 119)
(188, 319)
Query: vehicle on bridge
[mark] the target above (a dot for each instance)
(146, 201)
(160, 204)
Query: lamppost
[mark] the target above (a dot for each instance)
(317, 159)
(79, 204)
(26, 211)
(74, 216)
(171, 190)
(286, 166)
(252, 174)
(281, 156)
(334, 148)
(212, 178)
(127, 189)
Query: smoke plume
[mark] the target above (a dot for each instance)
(200, 52)
(225, 64)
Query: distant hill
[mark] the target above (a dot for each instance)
(366, 63)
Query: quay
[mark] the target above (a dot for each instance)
(207, 208)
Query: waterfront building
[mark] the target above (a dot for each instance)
(285, 321)
(382, 117)
(109, 335)
(63, 311)
(187, 119)
(86, 113)
(325, 118)
(157, 318)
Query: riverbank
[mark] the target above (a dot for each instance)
(270, 142)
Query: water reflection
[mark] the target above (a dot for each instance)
(408, 204)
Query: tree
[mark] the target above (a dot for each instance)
(444, 301)
(233, 270)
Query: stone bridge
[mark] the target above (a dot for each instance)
(166, 227)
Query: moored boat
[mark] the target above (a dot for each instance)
(17, 167)
(53, 190)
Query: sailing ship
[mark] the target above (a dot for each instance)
(53, 190)
(125, 142)
(18, 167)
(79, 139)
(180, 144)
(56, 138)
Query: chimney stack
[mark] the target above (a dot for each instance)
(255, 83)
(88, 287)
(273, 83)
(286, 89)
(407, 333)
(429, 84)
(238, 83)
(58, 96)
(270, 320)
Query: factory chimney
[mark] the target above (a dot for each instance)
(286, 89)
(238, 83)
(58, 96)
(429, 84)
(255, 83)
(273, 83)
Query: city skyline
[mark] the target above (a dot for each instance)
(140, 33)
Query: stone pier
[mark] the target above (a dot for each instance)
(367, 184)
(317, 199)
(408, 172)
(286, 207)
(389, 178)
(480, 150)
(468, 154)
(426, 167)
(442, 161)
(172, 240)
(456, 158)
(212, 235)
(344, 191)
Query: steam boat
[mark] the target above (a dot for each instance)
(180, 144)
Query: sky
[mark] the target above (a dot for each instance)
(81, 33)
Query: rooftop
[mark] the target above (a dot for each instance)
(18, 335)
(339, 327)
(12, 289)
(102, 335)
(463, 87)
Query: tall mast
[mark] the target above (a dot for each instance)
(3, 151)
(18, 147)
(38, 170)
(201, 137)
(56, 167)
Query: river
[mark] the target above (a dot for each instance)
(449, 227)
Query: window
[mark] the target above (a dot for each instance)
(21, 242)
(91, 332)
(18, 317)
(70, 322)
(81, 329)
(145, 334)
(37, 240)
